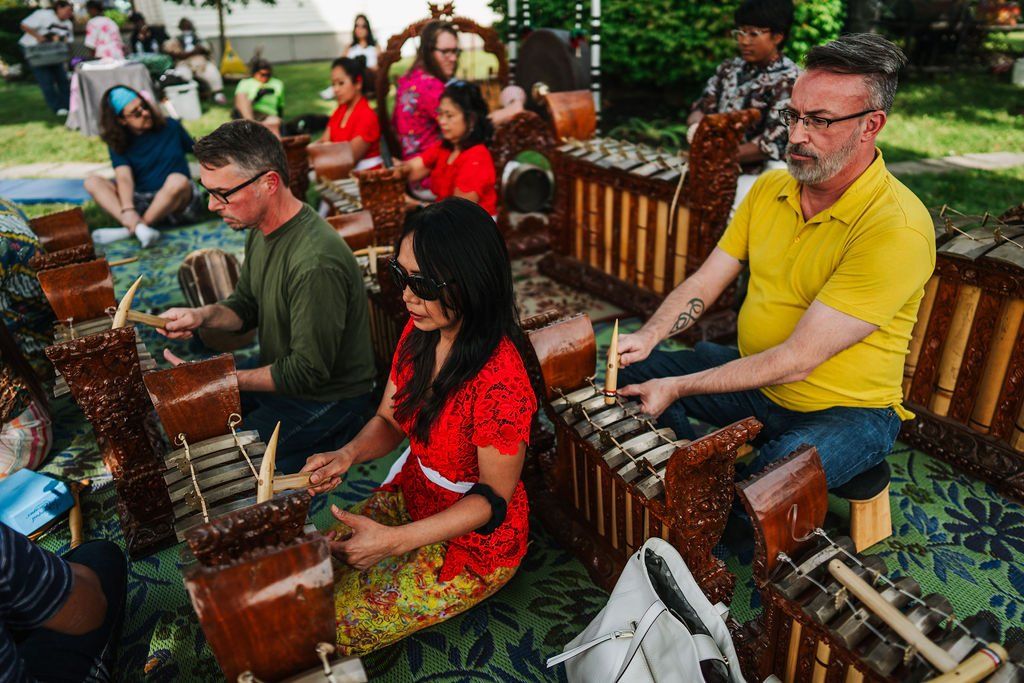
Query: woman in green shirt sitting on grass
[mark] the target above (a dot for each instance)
(261, 97)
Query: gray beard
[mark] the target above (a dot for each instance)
(822, 167)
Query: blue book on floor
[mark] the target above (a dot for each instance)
(30, 500)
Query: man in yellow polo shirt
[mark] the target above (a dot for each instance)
(839, 252)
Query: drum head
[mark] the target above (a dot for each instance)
(528, 188)
(546, 56)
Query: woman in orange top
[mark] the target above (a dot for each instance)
(353, 121)
(461, 165)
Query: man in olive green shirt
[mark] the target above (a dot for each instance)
(300, 287)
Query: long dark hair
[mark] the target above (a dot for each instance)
(116, 134)
(456, 242)
(467, 97)
(428, 41)
(370, 40)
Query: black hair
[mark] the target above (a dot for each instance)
(118, 136)
(136, 18)
(355, 67)
(60, 4)
(370, 40)
(259, 64)
(456, 242)
(869, 55)
(776, 15)
(467, 97)
(428, 41)
(94, 5)
(247, 144)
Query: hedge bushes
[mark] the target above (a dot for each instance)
(662, 43)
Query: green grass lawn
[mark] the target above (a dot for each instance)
(972, 191)
(954, 114)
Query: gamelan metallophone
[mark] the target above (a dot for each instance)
(964, 374)
(260, 570)
(831, 614)
(82, 298)
(381, 192)
(616, 479)
(631, 223)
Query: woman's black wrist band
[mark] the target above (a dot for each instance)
(499, 508)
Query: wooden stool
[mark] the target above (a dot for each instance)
(870, 515)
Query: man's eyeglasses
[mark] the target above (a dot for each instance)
(449, 52)
(790, 117)
(136, 113)
(263, 74)
(424, 287)
(752, 33)
(222, 197)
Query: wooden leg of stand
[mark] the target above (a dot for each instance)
(870, 520)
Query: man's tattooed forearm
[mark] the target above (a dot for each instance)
(688, 317)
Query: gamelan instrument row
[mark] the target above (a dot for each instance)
(630, 223)
(832, 614)
(82, 298)
(65, 239)
(964, 374)
(259, 570)
(614, 478)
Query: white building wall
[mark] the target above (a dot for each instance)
(293, 30)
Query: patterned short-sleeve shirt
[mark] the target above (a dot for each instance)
(738, 84)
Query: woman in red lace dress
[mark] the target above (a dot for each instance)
(449, 526)
(460, 165)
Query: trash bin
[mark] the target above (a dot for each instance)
(184, 100)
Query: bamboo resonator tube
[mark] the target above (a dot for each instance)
(611, 378)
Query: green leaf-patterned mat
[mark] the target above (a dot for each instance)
(955, 535)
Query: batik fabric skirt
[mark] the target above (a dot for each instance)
(401, 595)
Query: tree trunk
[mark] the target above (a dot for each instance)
(220, 26)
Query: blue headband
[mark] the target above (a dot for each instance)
(120, 97)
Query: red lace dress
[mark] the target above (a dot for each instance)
(495, 408)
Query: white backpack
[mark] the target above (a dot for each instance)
(657, 626)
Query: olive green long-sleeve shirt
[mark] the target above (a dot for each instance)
(302, 288)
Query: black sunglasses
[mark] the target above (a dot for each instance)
(424, 287)
(222, 197)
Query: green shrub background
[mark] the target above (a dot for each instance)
(667, 43)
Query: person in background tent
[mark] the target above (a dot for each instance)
(192, 56)
(102, 35)
(49, 26)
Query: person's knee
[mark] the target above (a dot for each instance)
(178, 183)
(96, 183)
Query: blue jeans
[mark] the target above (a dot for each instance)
(53, 81)
(849, 440)
(51, 656)
(307, 427)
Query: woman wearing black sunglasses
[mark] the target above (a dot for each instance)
(449, 526)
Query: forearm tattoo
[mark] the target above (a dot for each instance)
(688, 317)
